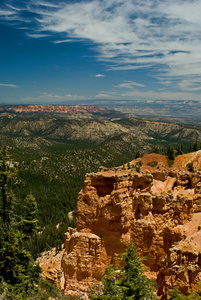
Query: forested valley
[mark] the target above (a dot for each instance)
(52, 154)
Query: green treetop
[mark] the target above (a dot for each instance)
(29, 222)
(171, 152)
(128, 282)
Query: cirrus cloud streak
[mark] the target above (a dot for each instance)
(9, 85)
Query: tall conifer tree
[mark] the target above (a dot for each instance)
(127, 283)
(17, 267)
(29, 223)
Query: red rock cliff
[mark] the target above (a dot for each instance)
(160, 211)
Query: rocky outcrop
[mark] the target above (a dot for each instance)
(50, 263)
(159, 211)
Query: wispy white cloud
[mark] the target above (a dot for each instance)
(161, 36)
(12, 14)
(104, 96)
(64, 41)
(9, 85)
(13, 8)
(99, 75)
(46, 4)
(37, 35)
(74, 97)
(4, 13)
(192, 84)
(129, 66)
(129, 85)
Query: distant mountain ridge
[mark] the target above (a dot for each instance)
(40, 126)
(87, 110)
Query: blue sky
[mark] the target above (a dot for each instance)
(54, 51)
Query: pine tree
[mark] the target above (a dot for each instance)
(156, 150)
(7, 203)
(138, 154)
(171, 152)
(196, 145)
(190, 148)
(180, 149)
(29, 222)
(127, 283)
(133, 284)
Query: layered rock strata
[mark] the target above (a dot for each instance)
(159, 211)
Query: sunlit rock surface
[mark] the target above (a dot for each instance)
(159, 209)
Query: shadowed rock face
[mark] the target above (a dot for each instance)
(159, 211)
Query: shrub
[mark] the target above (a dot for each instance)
(190, 167)
(152, 163)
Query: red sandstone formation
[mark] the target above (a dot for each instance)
(57, 108)
(180, 163)
(159, 210)
(154, 122)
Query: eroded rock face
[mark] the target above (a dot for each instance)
(160, 213)
(50, 262)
